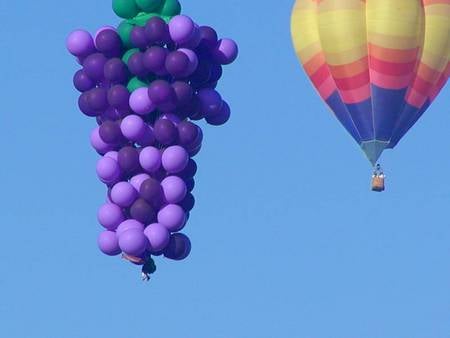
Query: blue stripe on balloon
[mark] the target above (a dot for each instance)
(409, 116)
(342, 114)
(361, 114)
(387, 105)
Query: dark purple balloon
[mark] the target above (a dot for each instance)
(111, 114)
(183, 93)
(151, 191)
(190, 184)
(165, 131)
(161, 93)
(128, 158)
(208, 38)
(82, 81)
(110, 132)
(157, 31)
(142, 211)
(154, 60)
(202, 74)
(108, 41)
(221, 117)
(138, 37)
(216, 73)
(187, 132)
(93, 65)
(179, 247)
(177, 64)
(115, 70)
(118, 96)
(189, 171)
(188, 202)
(98, 99)
(209, 102)
(136, 65)
(86, 109)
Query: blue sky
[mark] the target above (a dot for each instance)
(288, 241)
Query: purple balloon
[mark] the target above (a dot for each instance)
(174, 189)
(179, 247)
(128, 159)
(129, 224)
(152, 192)
(110, 216)
(174, 118)
(142, 211)
(118, 96)
(190, 184)
(221, 117)
(138, 37)
(181, 29)
(148, 138)
(150, 159)
(175, 159)
(97, 99)
(216, 73)
(85, 107)
(208, 38)
(123, 194)
(80, 43)
(188, 202)
(173, 217)
(115, 70)
(178, 64)
(110, 132)
(158, 237)
(94, 65)
(194, 40)
(140, 102)
(183, 92)
(108, 41)
(133, 242)
(161, 93)
(98, 144)
(133, 127)
(202, 74)
(210, 102)
(112, 154)
(157, 31)
(165, 131)
(108, 170)
(189, 171)
(108, 244)
(154, 60)
(187, 133)
(82, 81)
(136, 65)
(137, 180)
(226, 51)
(193, 60)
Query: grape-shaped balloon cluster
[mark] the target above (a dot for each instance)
(145, 82)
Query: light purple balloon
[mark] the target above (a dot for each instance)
(112, 154)
(193, 60)
(133, 242)
(133, 127)
(108, 243)
(181, 29)
(147, 138)
(150, 159)
(98, 144)
(225, 52)
(136, 181)
(110, 216)
(173, 217)
(80, 43)
(140, 102)
(174, 189)
(195, 39)
(174, 159)
(158, 237)
(108, 170)
(128, 225)
(123, 194)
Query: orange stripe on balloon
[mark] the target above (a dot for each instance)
(434, 2)
(388, 81)
(314, 63)
(352, 82)
(350, 69)
(392, 68)
(356, 95)
(421, 86)
(393, 55)
(426, 72)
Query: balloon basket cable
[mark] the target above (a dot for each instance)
(378, 179)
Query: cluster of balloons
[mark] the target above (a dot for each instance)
(145, 82)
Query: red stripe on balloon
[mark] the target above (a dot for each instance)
(391, 68)
(353, 82)
(356, 95)
(388, 81)
(320, 75)
(435, 2)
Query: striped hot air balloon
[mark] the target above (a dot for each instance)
(378, 64)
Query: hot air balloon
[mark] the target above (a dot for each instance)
(378, 64)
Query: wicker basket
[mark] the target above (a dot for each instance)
(378, 183)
